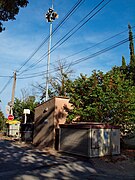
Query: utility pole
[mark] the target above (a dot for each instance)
(13, 94)
(50, 17)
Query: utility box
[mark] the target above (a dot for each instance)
(13, 128)
(91, 140)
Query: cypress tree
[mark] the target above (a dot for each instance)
(123, 63)
(131, 47)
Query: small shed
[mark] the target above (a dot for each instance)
(48, 116)
(13, 128)
(90, 139)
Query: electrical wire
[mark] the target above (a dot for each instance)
(73, 9)
(86, 58)
(102, 51)
(46, 54)
(5, 76)
(74, 31)
(3, 89)
(83, 50)
(35, 52)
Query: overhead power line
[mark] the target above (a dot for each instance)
(72, 10)
(73, 30)
(102, 51)
(85, 58)
(3, 89)
(83, 50)
(76, 28)
(5, 76)
(40, 47)
(76, 61)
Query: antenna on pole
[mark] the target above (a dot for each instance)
(50, 17)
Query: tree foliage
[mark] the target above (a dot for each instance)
(2, 120)
(132, 55)
(20, 105)
(9, 9)
(108, 98)
(123, 63)
(131, 47)
(102, 97)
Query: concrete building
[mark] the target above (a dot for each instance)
(48, 117)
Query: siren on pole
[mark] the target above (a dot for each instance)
(51, 15)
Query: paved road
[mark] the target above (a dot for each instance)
(21, 162)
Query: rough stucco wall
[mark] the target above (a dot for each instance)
(44, 124)
(46, 121)
(60, 114)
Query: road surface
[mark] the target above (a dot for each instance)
(24, 162)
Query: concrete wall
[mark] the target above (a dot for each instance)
(48, 116)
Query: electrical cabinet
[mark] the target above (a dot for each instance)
(92, 140)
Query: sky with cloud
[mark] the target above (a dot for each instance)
(93, 26)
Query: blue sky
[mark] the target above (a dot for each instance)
(24, 35)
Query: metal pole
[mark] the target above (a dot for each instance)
(13, 94)
(50, 16)
(52, 3)
(48, 61)
(25, 119)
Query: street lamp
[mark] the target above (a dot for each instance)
(50, 17)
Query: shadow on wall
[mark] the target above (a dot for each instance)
(44, 116)
(60, 116)
(45, 126)
(43, 129)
